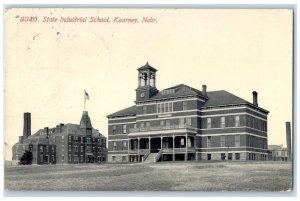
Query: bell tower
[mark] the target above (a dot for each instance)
(146, 82)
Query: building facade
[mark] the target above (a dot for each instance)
(183, 123)
(63, 144)
(278, 153)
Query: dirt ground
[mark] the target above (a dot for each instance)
(171, 176)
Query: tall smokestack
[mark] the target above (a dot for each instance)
(288, 139)
(27, 125)
(204, 90)
(254, 94)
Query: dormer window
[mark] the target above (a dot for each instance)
(167, 91)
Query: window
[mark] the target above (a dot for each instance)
(184, 105)
(62, 137)
(75, 139)
(237, 140)
(114, 145)
(134, 126)
(124, 129)
(144, 110)
(222, 141)
(47, 149)
(81, 148)
(229, 156)
(70, 148)
(168, 122)
(162, 123)
(237, 121)
(70, 157)
(182, 142)
(88, 140)
(88, 148)
(208, 157)
(113, 158)
(124, 144)
(41, 149)
(208, 122)
(41, 158)
(114, 129)
(185, 121)
(81, 158)
(222, 122)
(189, 143)
(147, 124)
(123, 158)
(237, 156)
(76, 148)
(62, 158)
(82, 139)
(208, 141)
(53, 159)
(223, 156)
(164, 107)
(70, 138)
(53, 148)
(142, 125)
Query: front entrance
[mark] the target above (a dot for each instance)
(90, 159)
(155, 145)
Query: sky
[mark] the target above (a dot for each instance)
(49, 64)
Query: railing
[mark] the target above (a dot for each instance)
(158, 128)
(177, 150)
(157, 156)
(138, 151)
(145, 156)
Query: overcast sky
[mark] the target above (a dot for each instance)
(48, 65)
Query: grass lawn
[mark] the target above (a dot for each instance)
(179, 176)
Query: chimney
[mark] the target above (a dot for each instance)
(254, 93)
(46, 131)
(204, 90)
(21, 139)
(27, 125)
(288, 139)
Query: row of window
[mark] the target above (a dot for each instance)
(187, 121)
(124, 158)
(88, 148)
(237, 139)
(223, 122)
(165, 107)
(82, 140)
(80, 158)
(46, 149)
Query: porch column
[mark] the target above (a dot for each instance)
(150, 144)
(185, 157)
(173, 155)
(161, 142)
(138, 160)
(128, 144)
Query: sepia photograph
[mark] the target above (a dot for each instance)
(148, 99)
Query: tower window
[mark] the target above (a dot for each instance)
(184, 105)
(144, 110)
(124, 129)
(222, 141)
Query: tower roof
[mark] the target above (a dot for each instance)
(146, 67)
(85, 121)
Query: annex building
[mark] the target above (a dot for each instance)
(63, 144)
(184, 123)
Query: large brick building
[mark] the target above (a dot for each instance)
(183, 123)
(63, 144)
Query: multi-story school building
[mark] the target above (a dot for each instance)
(63, 144)
(184, 123)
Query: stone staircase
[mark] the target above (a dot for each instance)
(150, 158)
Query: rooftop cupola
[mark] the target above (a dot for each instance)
(146, 82)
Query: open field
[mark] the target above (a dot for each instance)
(192, 176)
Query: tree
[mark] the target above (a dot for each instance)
(26, 159)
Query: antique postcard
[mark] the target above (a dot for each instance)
(164, 99)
